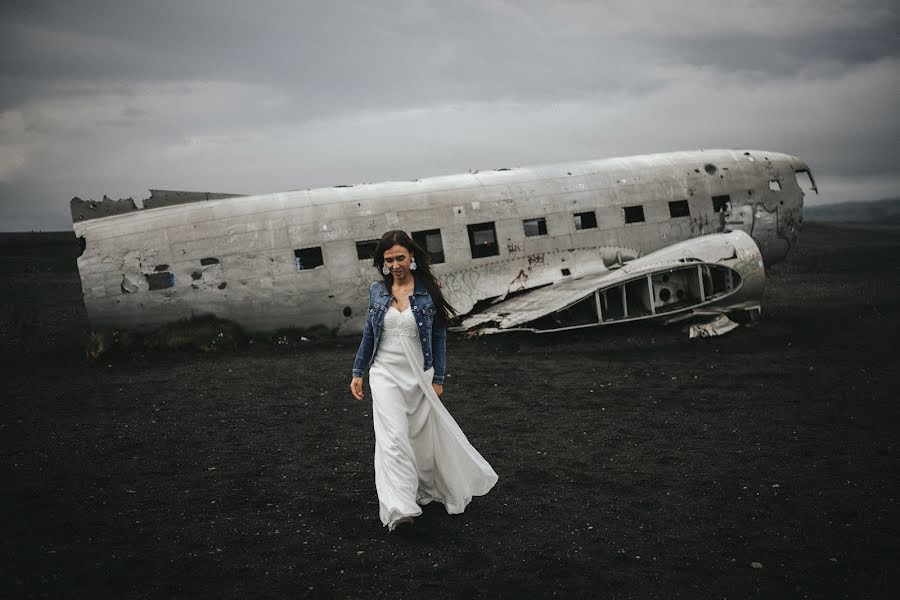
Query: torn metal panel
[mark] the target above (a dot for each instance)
(82, 210)
(718, 325)
(133, 275)
(160, 198)
(535, 303)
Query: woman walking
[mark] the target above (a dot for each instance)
(421, 454)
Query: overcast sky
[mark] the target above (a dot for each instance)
(118, 97)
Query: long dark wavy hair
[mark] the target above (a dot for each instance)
(423, 270)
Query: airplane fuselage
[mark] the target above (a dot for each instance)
(303, 258)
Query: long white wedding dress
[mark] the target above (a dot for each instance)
(421, 454)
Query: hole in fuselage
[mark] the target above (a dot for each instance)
(160, 281)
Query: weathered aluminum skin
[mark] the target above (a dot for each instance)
(735, 250)
(254, 279)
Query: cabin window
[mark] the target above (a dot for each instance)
(634, 214)
(308, 258)
(774, 186)
(483, 240)
(365, 250)
(431, 241)
(535, 227)
(679, 208)
(720, 203)
(585, 220)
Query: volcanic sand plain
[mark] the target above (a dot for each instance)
(634, 462)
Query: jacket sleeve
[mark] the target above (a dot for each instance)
(439, 350)
(367, 344)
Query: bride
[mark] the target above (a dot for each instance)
(421, 454)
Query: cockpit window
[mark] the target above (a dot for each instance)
(805, 180)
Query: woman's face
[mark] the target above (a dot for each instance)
(397, 259)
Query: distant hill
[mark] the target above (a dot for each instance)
(886, 211)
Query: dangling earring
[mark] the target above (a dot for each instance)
(412, 264)
(385, 270)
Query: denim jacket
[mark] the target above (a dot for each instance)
(432, 331)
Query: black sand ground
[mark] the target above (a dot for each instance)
(633, 461)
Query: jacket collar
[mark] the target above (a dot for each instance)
(419, 289)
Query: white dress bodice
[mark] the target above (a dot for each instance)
(398, 323)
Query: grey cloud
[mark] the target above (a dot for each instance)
(329, 55)
(117, 97)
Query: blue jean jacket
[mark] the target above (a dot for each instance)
(432, 331)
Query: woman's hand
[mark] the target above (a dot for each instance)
(356, 388)
(438, 389)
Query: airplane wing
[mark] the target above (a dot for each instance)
(710, 274)
(531, 305)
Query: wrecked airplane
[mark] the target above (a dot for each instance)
(537, 248)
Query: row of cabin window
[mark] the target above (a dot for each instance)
(483, 236)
